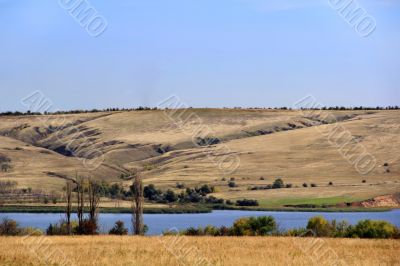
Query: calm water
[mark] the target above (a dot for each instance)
(157, 223)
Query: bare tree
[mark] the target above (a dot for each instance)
(137, 204)
(81, 201)
(94, 201)
(69, 205)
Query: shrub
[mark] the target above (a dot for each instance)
(278, 183)
(5, 167)
(61, 228)
(319, 226)
(330, 183)
(374, 229)
(191, 231)
(241, 227)
(232, 179)
(214, 200)
(247, 202)
(305, 185)
(262, 226)
(191, 196)
(229, 202)
(88, 228)
(313, 185)
(254, 226)
(299, 232)
(170, 196)
(30, 231)
(341, 229)
(150, 192)
(224, 231)
(364, 181)
(386, 164)
(119, 229)
(262, 178)
(289, 185)
(9, 227)
(232, 184)
(205, 189)
(7, 186)
(4, 159)
(210, 230)
(180, 185)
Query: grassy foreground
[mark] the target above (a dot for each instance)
(113, 250)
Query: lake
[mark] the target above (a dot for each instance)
(158, 223)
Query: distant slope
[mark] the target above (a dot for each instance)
(269, 143)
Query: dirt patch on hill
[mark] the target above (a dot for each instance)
(382, 201)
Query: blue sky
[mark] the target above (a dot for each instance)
(210, 53)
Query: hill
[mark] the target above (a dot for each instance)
(319, 148)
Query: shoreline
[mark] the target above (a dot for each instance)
(186, 210)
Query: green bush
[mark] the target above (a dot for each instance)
(262, 226)
(210, 230)
(150, 192)
(246, 202)
(170, 196)
(119, 229)
(316, 227)
(319, 226)
(278, 183)
(254, 226)
(374, 229)
(341, 229)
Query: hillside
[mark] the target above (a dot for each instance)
(293, 145)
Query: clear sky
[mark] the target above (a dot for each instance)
(210, 53)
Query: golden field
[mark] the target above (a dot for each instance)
(268, 143)
(112, 250)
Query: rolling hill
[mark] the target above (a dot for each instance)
(297, 146)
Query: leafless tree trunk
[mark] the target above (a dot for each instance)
(69, 206)
(81, 201)
(137, 205)
(94, 201)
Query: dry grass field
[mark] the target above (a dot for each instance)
(107, 250)
(269, 144)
